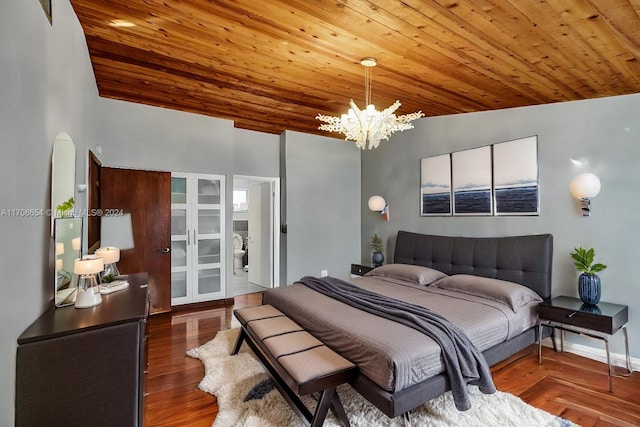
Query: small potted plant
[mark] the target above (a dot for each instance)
(377, 245)
(589, 286)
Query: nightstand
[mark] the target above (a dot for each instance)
(599, 321)
(360, 270)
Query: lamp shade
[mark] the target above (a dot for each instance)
(116, 231)
(377, 203)
(585, 186)
(88, 266)
(109, 254)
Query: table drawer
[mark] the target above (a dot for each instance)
(582, 319)
(360, 270)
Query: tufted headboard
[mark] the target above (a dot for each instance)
(521, 259)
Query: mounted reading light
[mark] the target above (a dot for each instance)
(378, 204)
(584, 187)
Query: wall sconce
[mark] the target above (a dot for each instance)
(88, 291)
(378, 204)
(584, 187)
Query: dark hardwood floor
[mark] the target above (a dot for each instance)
(567, 385)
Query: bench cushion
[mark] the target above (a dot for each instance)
(248, 314)
(293, 342)
(273, 326)
(316, 369)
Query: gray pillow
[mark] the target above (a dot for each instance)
(415, 274)
(508, 293)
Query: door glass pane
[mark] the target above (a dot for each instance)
(209, 191)
(178, 190)
(178, 254)
(178, 222)
(208, 280)
(208, 221)
(178, 284)
(208, 251)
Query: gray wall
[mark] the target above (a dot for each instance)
(144, 137)
(603, 132)
(256, 154)
(47, 86)
(322, 193)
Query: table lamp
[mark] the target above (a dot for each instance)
(110, 256)
(116, 233)
(88, 291)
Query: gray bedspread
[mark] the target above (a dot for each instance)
(463, 362)
(392, 355)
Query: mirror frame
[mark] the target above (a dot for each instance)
(67, 244)
(63, 177)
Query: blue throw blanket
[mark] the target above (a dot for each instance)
(463, 362)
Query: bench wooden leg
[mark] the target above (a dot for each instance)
(338, 410)
(329, 399)
(241, 337)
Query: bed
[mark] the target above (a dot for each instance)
(500, 280)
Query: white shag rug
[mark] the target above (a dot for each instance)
(246, 397)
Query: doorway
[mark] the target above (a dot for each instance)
(256, 245)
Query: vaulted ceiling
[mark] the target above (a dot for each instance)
(273, 65)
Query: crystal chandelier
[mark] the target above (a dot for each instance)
(368, 126)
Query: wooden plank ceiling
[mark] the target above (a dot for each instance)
(273, 65)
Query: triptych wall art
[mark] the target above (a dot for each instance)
(499, 179)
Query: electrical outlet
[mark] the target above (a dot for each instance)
(324, 273)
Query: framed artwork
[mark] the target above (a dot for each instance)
(46, 5)
(435, 185)
(515, 177)
(471, 178)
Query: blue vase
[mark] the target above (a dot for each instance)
(589, 288)
(377, 258)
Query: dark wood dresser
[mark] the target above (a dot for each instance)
(85, 367)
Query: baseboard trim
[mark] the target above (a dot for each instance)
(598, 354)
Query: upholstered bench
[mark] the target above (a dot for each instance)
(297, 362)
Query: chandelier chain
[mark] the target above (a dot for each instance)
(368, 77)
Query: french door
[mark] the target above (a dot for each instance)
(197, 237)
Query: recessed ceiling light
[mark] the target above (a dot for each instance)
(121, 23)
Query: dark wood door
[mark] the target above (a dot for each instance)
(146, 195)
(93, 221)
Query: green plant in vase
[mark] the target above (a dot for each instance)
(377, 245)
(589, 285)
